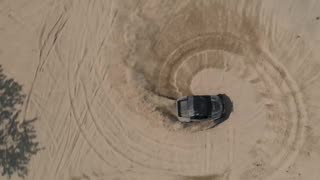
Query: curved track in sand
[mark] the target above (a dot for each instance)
(108, 72)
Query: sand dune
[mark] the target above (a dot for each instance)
(102, 76)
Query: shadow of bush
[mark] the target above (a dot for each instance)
(17, 140)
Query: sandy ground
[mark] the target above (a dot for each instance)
(100, 76)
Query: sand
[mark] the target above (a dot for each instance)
(101, 78)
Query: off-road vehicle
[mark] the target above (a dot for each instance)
(200, 108)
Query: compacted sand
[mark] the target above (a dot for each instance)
(101, 77)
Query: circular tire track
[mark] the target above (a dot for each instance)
(285, 109)
(126, 131)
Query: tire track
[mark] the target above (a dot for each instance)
(178, 58)
(76, 120)
(122, 152)
(94, 91)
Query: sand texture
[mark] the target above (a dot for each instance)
(101, 77)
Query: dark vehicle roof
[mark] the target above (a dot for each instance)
(199, 106)
(194, 108)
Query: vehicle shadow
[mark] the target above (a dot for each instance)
(228, 109)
